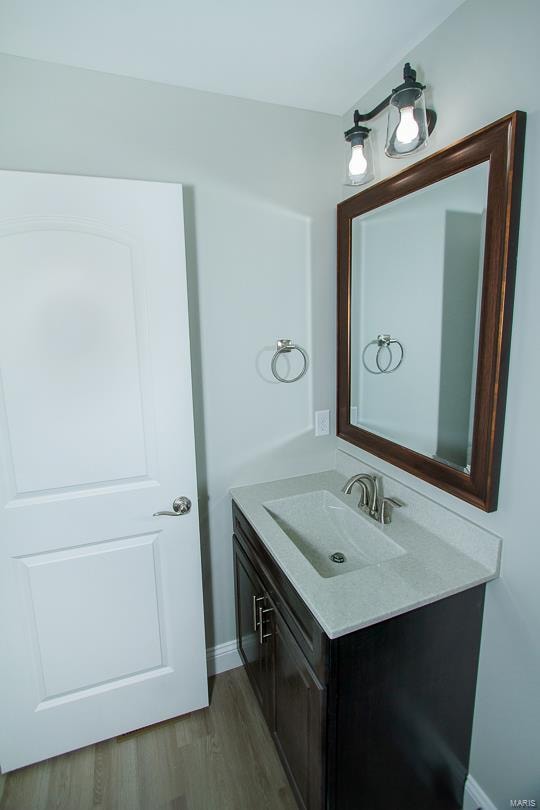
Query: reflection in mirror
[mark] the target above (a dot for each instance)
(416, 280)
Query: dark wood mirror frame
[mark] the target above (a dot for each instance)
(502, 144)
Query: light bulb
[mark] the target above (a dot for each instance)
(407, 129)
(358, 162)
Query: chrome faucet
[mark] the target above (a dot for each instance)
(373, 501)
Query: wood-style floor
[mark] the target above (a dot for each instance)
(221, 758)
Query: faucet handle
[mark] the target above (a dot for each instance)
(387, 507)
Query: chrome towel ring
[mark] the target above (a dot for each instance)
(284, 346)
(383, 342)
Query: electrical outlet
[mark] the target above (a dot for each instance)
(322, 423)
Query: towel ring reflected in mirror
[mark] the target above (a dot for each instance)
(383, 342)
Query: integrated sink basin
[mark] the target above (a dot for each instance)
(334, 538)
(427, 553)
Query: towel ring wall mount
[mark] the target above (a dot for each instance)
(284, 346)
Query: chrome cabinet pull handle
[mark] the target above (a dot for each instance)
(255, 619)
(262, 634)
(181, 506)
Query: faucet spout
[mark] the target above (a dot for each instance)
(370, 489)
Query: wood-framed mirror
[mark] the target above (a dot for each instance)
(426, 267)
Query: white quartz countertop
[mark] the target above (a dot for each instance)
(444, 554)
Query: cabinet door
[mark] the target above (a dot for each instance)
(250, 596)
(298, 707)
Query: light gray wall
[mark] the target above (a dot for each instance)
(261, 182)
(482, 63)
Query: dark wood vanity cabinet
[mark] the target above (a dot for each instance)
(378, 718)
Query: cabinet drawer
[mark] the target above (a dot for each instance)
(303, 626)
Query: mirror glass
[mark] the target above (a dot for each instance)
(416, 281)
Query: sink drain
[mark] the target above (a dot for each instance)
(337, 557)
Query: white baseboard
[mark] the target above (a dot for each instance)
(223, 657)
(475, 797)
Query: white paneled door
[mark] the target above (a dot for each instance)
(100, 601)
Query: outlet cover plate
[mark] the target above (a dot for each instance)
(322, 423)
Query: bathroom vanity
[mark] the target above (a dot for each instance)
(366, 678)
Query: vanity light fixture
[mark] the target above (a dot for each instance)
(409, 125)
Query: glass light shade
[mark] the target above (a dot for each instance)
(358, 162)
(407, 123)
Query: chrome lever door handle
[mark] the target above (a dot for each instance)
(181, 506)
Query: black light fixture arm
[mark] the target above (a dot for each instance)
(358, 117)
(409, 83)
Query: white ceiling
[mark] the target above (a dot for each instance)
(318, 55)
